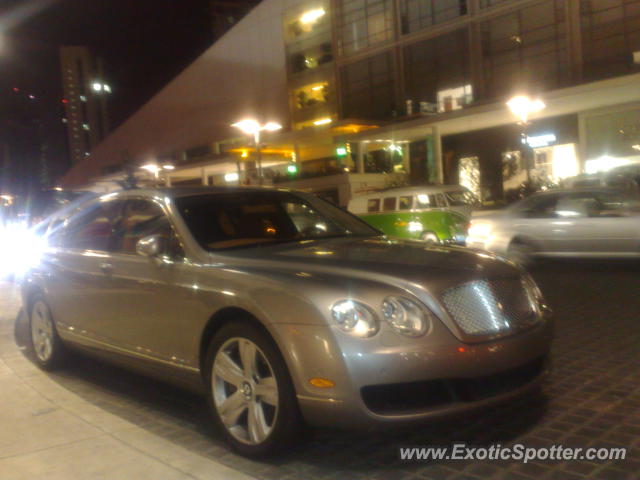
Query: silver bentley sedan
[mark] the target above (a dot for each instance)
(284, 309)
(580, 222)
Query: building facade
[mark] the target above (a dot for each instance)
(85, 100)
(402, 91)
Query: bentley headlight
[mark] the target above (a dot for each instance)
(405, 316)
(354, 318)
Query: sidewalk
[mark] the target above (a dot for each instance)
(49, 432)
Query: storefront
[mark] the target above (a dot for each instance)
(611, 138)
(497, 163)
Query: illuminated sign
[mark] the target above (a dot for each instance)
(541, 140)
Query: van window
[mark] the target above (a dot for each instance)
(404, 203)
(459, 198)
(389, 204)
(426, 201)
(373, 205)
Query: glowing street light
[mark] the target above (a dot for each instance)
(312, 16)
(522, 107)
(155, 169)
(253, 128)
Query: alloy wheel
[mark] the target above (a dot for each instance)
(42, 331)
(245, 391)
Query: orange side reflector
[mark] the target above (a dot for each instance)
(321, 382)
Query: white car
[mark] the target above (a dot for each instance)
(562, 223)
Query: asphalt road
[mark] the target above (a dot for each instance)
(591, 398)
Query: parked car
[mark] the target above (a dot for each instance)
(582, 222)
(283, 308)
(435, 213)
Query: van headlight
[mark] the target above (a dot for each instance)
(405, 316)
(354, 318)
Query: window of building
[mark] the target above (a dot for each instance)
(384, 160)
(416, 15)
(525, 50)
(364, 23)
(437, 71)
(612, 139)
(311, 58)
(389, 204)
(368, 88)
(610, 37)
(308, 23)
(311, 95)
(373, 205)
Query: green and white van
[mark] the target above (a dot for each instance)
(434, 213)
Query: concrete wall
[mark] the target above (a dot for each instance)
(242, 74)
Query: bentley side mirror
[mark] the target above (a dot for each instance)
(151, 246)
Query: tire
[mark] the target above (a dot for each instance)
(48, 349)
(521, 253)
(429, 237)
(253, 402)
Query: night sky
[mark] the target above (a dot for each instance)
(144, 44)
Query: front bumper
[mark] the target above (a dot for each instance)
(376, 378)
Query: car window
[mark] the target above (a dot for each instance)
(540, 206)
(143, 218)
(405, 203)
(594, 204)
(580, 205)
(232, 220)
(613, 204)
(389, 204)
(92, 227)
(373, 205)
(440, 200)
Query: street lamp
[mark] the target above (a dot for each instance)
(522, 107)
(155, 169)
(253, 128)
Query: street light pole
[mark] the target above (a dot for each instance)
(256, 139)
(253, 127)
(522, 106)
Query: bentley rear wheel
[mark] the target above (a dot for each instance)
(47, 346)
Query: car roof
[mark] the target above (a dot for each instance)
(580, 189)
(179, 192)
